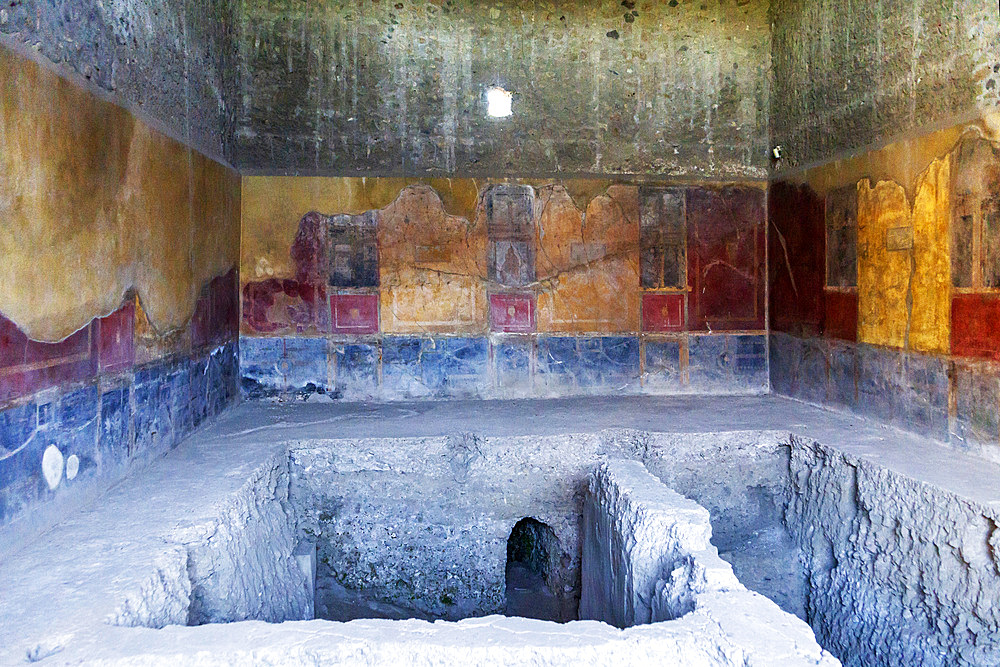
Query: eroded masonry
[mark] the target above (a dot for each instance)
(368, 332)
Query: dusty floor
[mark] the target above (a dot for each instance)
(904, 452)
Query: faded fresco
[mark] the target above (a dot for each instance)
(915, 247)
(588, 266)
(457, 287)
(433, 266)
(916, 223)
(726, 250)
(547, 261)
(119, 302)
(98, 211)
(95, 203)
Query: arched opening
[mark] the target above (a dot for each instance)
(533, 557)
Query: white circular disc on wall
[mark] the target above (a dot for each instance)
(52, 466)
(72, 466)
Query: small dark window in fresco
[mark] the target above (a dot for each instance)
(511, 228)
(991, 242)
(963, 229)
(842, 237)
(352, 250)
(662, 238)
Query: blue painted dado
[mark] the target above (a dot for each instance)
(100, 426)
(501, 366)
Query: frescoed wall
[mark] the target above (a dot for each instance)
(885, 285)
(119, 306)
(379, 288)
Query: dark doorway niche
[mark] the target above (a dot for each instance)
(534, 588)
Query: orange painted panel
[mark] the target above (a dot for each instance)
(432, 267)
(588, 265)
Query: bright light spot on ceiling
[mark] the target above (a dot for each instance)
(498, 102)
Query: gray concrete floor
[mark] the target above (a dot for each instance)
(907, 453)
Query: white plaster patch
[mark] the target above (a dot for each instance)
(52, 466)
(72, 466)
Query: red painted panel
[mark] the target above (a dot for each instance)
(797, 258)
(73, 347)
(13, 344)
(512, 313)
(115, 338)
(975, 326)
(841, 316)
(726, 269)
(27, 366)
(354, 313)
(227, 304)
(201, 323)
(663, 312)
(285, 306)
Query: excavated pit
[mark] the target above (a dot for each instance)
(439, 528)
(482, 529)
(467, 526)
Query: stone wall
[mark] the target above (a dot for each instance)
(900, 571)
(647, 558)
(385, 289)
(236, 564)
(897, 541)
(418, 527)
(849, 76)
(599, 87)
(646, 549)
(170, 62)
(745, 491)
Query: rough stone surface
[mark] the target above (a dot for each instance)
(393, 517)
(745, 493)
(400, 88)
(646, 549)
(178, 556)
(242, 565)
(599, 87)
(418, 527)
(900, 572)
(134, 545)
(173, 61)
(702, 638)
(647, 559)
(847, 76)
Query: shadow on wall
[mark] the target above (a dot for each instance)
(532, 574)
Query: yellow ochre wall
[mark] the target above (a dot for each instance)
(93, 203)
(906, 204)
